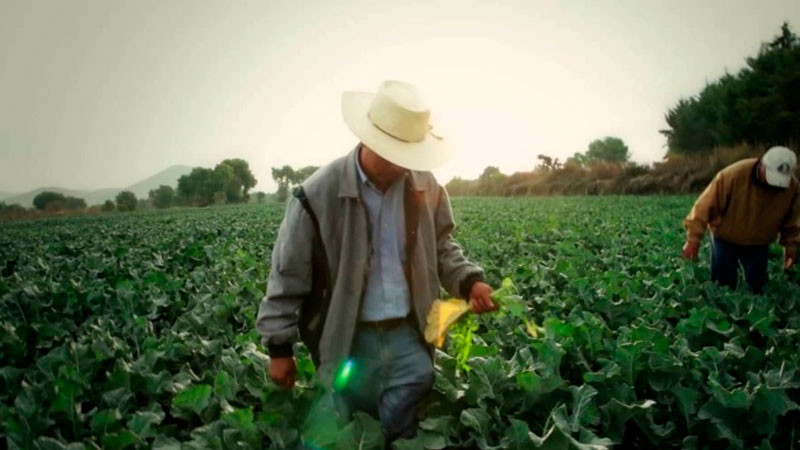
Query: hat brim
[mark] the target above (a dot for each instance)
(430, 153)
(777, 179)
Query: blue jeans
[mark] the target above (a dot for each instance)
(392, 372)
(726, 258)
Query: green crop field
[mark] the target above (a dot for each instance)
(136, 331)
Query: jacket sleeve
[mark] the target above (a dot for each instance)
(457, 274)
(790, 226)
(707, 207)
(289, 281)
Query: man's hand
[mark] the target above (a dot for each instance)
(480, 298)
(789, 257)
(282, 371)
(690, 249)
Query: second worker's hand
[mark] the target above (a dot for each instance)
(789, 257)
(480, 298)
(690, 249)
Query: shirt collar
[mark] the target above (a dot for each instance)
(415, 177)
(361, 174)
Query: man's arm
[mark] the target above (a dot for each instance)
(790, 232)
(456, 273)
(707, 207)
(289, 282)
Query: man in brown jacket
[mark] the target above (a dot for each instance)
(746, 206)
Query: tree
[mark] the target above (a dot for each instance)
(12, 211)
(75, 204)
(459, 187)
(220, 198)
(302, 174)
(198, 187)
(126, 201)
(228, 182)
(108, 206)
(244, 177)
(283, 176)
(49, 200)
(608, 150)
(260, 197)
(163, 197)
(548, 163)
(231, 191)
(491, 181)
(759, 106)
(576, 160)
(286, 178)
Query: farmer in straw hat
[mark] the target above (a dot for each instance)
(364, 245)
(746, 206)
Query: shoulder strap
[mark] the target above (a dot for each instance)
(320, 257)
(315, 310)
(300, 194)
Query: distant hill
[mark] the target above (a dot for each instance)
(5, 195)
(168, 176)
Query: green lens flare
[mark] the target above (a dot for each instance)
(343, 375)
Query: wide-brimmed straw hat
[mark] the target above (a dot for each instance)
(395, 123)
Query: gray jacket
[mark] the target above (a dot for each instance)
(433, 258)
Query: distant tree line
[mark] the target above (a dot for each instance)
(12, 210)
(759, 106)
(229, 182)
(603, 153)
(683, 175)
(287, 178)
(54, 202)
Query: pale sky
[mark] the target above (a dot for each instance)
(104, 93)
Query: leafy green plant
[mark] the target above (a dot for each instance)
(461, 336)
(463, 331)
(136, 331)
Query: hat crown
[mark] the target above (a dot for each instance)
(779, 163)
(780, 159)
(399, 111)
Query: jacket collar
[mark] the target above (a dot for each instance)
(414, 181)
(754, 173)
(758, 181)
(348, 182)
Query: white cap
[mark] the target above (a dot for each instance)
(779, 163)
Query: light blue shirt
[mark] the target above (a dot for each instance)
(387, 295)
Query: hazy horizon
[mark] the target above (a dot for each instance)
(97, 94)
